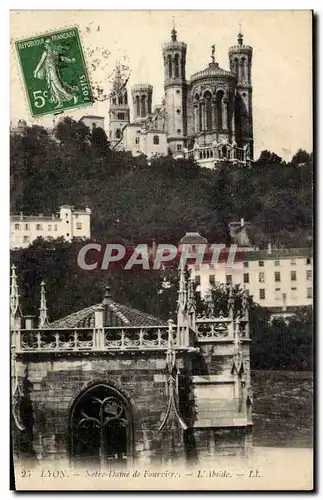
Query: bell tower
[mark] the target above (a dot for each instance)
(119, 113)
(240, 59)
(174, 54)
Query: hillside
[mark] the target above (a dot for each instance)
(136, 200)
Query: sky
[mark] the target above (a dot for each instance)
(281, 71)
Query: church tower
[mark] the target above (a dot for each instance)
(119, 112)
(174, 54)
(142, 94)
(240, 58)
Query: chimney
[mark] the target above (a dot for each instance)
(269, 250)
(29, 322)
(53, 216)
(242, 222)
(98, 317)
(21, 215)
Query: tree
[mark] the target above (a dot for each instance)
(277, 344)
(164, 199)
(301, 158)
(269, 158)
(70, 132)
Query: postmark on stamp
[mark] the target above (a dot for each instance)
(54, 72)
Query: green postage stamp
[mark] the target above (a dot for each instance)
(54, 72)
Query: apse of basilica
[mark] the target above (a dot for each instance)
(208, 117)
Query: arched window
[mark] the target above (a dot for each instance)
(243, 68)
(126, 98)
(156, 140)
(208, 109)
(218, 104)
(120, 99)
(137, 106)
(176, 65)
(118, 133)
(114, 100)
(101, 427)
(143, 105)
(169, 58)
(236, 66)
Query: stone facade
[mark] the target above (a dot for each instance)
(155, 392)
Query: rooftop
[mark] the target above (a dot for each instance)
(213, 70)
(115, 314)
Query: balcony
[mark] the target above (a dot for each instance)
(130, 338)
(214, 154)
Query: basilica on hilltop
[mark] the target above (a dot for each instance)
(207, 117)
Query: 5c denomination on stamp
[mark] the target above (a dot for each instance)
(54, 72)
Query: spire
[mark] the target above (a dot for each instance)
(174, 32)
(117, 82)
(240, 36)
(43, 319)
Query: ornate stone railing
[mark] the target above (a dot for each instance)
(128, 338)
(59, 339)
(97, 339)
(213, 329)
(137, 338)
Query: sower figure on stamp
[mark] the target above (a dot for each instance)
(48, 68)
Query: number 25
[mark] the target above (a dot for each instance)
(39, 99)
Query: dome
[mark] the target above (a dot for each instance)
(193, 238)
(212, 71)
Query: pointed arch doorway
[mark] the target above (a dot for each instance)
(101, 426)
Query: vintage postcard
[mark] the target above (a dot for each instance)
(161, 242)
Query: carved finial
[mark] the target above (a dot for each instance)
(43, 319)
(182, 292)
(191, 301)
(230, 303)
(170, 334)
(14, 295)
(240, 36)
(244, 299)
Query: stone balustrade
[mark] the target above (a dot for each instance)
(95, 339)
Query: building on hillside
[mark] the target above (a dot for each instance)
(239, 233)
(93, 121)
(280, 280)
(208, 117)
(68, 222)
(110, 383)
